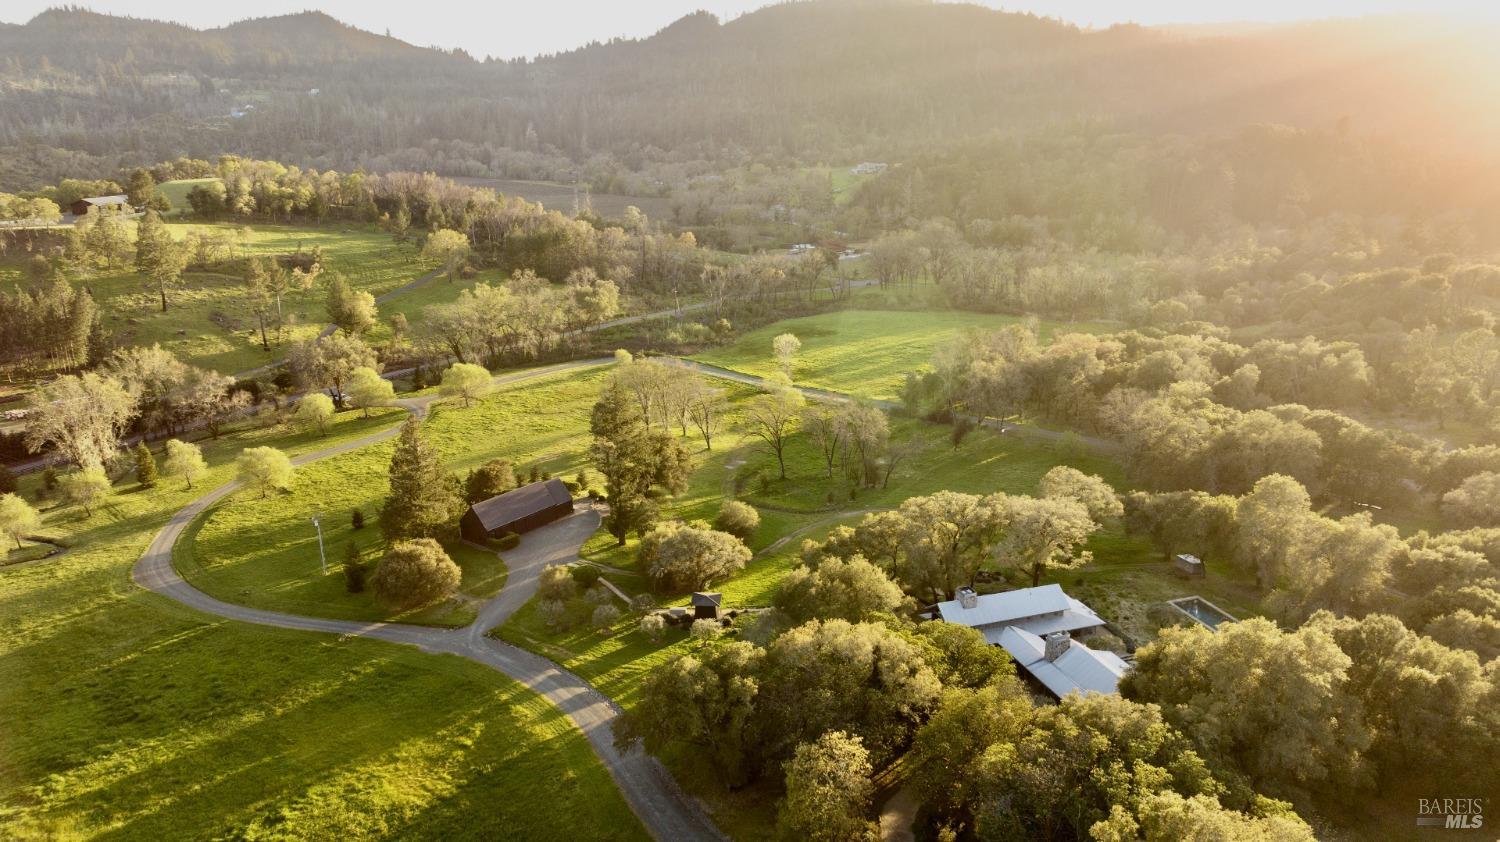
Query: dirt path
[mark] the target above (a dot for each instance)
(648, 787)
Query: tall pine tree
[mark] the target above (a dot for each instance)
(633, 458)
(425, 500)
(145, 466)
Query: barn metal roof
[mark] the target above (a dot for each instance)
(507, 508)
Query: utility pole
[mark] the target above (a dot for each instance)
(322, 558)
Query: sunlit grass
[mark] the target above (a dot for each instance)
(208, 322)
(129, 715)
(863, 352)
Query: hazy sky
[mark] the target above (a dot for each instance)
(509, 28)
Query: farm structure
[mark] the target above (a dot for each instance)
(517, 511)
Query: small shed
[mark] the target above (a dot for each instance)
(117, 203)
(517, 511)
(1188, 565)
(706, 606)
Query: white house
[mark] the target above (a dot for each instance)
(1037, 626)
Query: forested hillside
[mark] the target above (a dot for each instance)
(81, 91)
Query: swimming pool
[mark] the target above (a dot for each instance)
(1201, 610)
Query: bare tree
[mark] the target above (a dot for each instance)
(773, 418)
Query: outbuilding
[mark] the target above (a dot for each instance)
(1187, 565)
(103, 203)
(706, 606)
(517, 511)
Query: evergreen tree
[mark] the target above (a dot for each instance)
(357, 520)
(145, 466)
(8, 481)
(354, 568)
(633, 458)
(424, 499)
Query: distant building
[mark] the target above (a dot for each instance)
(706, 606)
(115, 203)
(869, 168)
(1188, 565)
(517, 511)
(1036, 627)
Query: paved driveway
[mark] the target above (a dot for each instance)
(665, 811)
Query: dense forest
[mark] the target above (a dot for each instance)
(90, 92)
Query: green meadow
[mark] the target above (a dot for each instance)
(177, 191)
(865, 352)
(166, 723)
(208, 322)
(264, 552)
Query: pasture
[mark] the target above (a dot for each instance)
(865, 352)
(209, 323)
(168, 719)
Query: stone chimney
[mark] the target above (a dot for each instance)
(967, 598)
(1057, 644)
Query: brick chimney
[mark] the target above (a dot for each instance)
(1057, 644)
(967, 598)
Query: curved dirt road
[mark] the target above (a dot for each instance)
(648, 787)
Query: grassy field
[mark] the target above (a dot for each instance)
(807, 504)
(128, 716)
(864, 352)
(177, 193)
(208, 323)
(279, 568)
(844, 181)
(264, 553)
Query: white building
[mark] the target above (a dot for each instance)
(1037, 626)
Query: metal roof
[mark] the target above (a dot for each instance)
(106, 200)
(1007, 607)
(708, 600)
(507, 508)
(1079, 669)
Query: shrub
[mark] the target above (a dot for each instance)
(652, 625)
(642, 602)
(415, 573)
(496, 476)
(354, 569)
(738, 519)
(605, 616)
(556, 582)
(705, 630)
(962, 426)
(8, 482)
(357, 519)
(145, 466)
(585, 575)
(554, 613)
(508, 541)
(571, 486)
